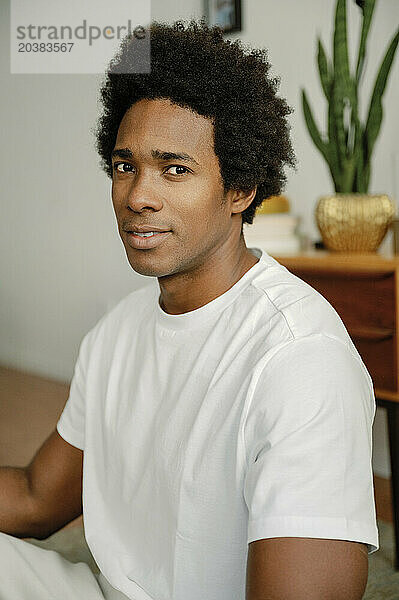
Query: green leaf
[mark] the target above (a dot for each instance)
(338, 104)
(348, 175)
(325, 76)
(358, 152)
(368, 9)
(367, 172)
(342, 87)
(355, 147)
(312, 127)
(341, 60)
(333, 148)
(375, 110)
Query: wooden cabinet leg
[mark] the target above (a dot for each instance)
(392, 409)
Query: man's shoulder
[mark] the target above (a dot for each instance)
(304, 310)
(130, 308)
(135, 298)
(309, 324)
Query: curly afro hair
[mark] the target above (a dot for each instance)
(193, 66)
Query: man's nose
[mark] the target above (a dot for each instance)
(142, 194)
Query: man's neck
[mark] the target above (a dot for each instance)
(188, 291)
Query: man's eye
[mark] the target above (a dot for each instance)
(178, 167)
(125, 167)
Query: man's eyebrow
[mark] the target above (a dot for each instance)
(156, 154)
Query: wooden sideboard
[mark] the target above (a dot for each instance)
(364, 290)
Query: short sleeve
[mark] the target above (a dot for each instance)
(71, 424)
(308, 439)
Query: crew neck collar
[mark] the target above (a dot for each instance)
(195, 317)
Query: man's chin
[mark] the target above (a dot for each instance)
(148, 266)
(147, 271)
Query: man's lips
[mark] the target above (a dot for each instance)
(144, 228)
(144, 243)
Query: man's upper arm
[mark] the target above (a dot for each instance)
(308, 437)
(55, 476)
(296, 568)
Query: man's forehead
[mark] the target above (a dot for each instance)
(161, 124)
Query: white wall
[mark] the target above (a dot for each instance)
(62, 262)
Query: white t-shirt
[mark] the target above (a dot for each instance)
(247, 418)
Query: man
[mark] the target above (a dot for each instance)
(223, 412)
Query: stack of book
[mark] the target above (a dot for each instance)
(275, 233)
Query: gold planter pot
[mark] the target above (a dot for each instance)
(354, 222)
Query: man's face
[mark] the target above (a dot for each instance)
(183, 195)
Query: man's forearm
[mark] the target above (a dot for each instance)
(17, 513)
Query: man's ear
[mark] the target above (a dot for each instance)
(240, 200)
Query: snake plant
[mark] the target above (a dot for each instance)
(349, 144)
